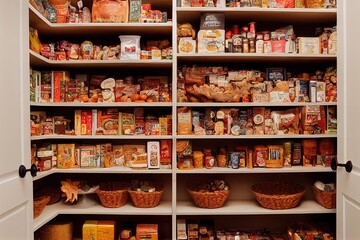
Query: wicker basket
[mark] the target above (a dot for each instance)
(39, 204)
(327, 199)
(207, 199)
(278, 195)
(53, 192)
(142, 199)
(113, 194)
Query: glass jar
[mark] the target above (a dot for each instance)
(209, 158)
(221, 157)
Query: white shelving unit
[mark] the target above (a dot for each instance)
(178, 206)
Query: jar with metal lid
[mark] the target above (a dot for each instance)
(209, 158)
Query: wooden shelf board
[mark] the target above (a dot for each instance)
(250, 207)
(102, 104)
(51, 211)
(37, 60)
(105, 137)
(122, 170)
(297, 136)
(294, 169)
(252, 104)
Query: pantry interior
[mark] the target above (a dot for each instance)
(241, 210)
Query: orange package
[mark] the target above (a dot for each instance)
(115, 11)
(147, 231)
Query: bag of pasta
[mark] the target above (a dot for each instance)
(110, 11)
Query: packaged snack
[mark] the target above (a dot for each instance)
(310, 152)
(128, 123)
(107, 122)
(314, 3)
(135, 156)
(286, 122)
(331, 119)
(287, 154)
(184, 121)
(181, 229)
(119, 158)
(134, 11)
(313, 120)
(184, 148)
(308, 45)
(87, 156)
(66, 156)
(153, 153)
(165, 153)
(89, 230)
(260, 156)
(259, 121)
(106, 230)
(187, 45)
(87, 50)
(114, 11)
(211, 36)
(130, 47)
(147, 231)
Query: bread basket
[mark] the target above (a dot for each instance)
(143, 199)
(278, 195)
(113, 194)
(39, 204)
(327, 199)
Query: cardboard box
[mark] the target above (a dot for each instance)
(119, 158)
(66, 156)
(308, 45)
(147, 231)
(107, 122)
(153, 154)
(87, 156)
(181, 229)
(89, 230)
(106, 230)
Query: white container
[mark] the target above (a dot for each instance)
(130, 47)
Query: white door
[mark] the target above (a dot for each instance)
(16, 222)
(348, 197)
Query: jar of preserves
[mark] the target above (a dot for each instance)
(209, 158)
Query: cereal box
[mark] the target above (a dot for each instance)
(153, 150)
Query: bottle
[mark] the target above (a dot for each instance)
(228, 41)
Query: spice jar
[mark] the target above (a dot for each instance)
(209, 158)
(221, 157)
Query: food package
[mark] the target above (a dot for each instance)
(299, 3)
(308, 45)
(62, 7)
(187, 45)
(211, 41)
(275, 156)
(181, 229)
(330, 4)
(286, 121)
(135, 156)
(165, 153)
(114, 11)
(331, 119)
(184, 148)
(185, 3)
(107, 122)
(153, 153)
(333, 41)
(211, 36)
(313, 119)
(89, 230)
(147, 231)
(87, 50)
(57, 230)
(314, 3)
(34, 41)
(260, 156)
(130, 47)
(87, 156)
(127, 123)
(106, 230)
(119, 158)
(108, 86)
(186, 30)
(285, 3)
(184, 121)
(259, 121)
(134, 11)
(66, 156)
(104, 155)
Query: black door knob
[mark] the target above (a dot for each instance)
(348, 165)
(22, 170)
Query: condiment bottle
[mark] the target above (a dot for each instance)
(228, 41)
(245, 45)
(259, 45)
(209, 158)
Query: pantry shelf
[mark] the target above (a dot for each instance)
(289, 136)
(253, 104)
(102, 104)
(293, 15)
(94, 207)
(47, 28)
(105, 137)
(255, 57)
(249, 207)
(37, 60)
(118, 170)
(294, 169)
